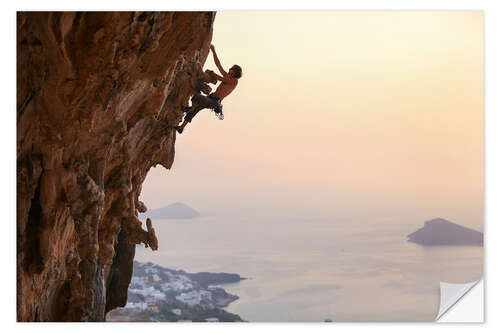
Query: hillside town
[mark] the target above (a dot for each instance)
(160, 294)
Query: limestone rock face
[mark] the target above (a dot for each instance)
(97, 96)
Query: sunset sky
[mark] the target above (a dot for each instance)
(339, 114)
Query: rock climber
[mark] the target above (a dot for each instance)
(228, 80)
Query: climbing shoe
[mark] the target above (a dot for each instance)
(178, 129)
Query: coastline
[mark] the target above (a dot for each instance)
(162, 294)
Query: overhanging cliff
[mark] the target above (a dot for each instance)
(97, 96)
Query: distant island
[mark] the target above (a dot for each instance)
(161, 294)
(439, 231)
(177, 210)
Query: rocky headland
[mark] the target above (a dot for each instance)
(162, 294)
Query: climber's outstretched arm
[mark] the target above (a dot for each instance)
(217, 62)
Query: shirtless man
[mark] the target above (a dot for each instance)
(228, 80)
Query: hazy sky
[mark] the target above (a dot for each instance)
(341, 114)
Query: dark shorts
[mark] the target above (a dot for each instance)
(201, 102)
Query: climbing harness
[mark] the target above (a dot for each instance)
(216, 105)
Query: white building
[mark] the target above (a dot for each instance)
(158, 295)
(190, 298)
(144, 292)
(212, 320)
(139, 306)
(150, 300)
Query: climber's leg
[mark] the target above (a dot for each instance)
(193, 112)
(199, 102)
(189, 117)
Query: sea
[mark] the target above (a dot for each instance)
(312, 270)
